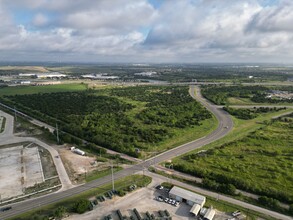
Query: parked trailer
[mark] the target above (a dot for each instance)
(77, 151)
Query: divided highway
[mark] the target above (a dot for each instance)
(224, 127)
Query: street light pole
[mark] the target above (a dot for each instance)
(113, 187)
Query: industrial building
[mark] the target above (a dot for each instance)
(189, 197)
(209, 214)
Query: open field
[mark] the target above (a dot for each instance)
(139, 121)
(24, 68)
(26, 167)
(22, 90)
(258, 161)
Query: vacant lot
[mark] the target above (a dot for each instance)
(24, 164)
(261, 162)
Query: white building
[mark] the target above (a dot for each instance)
(195, 209)
(209, 214)
(189, 197)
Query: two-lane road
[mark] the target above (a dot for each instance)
(225, 124)
(224, 127)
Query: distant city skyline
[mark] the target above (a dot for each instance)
(146, 31)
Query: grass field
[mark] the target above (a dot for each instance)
(254, 157)
(22, 90)
(24, 68)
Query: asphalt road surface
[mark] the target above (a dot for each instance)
(224, 127)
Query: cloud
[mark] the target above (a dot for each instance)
(135, 30)
(278, 18)
(40, 20)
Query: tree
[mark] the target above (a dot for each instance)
(269, 202)
(60, 212)
(81, 206)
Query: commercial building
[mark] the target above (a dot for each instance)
(189, 197)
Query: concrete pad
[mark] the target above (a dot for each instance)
(10, 172)
(33, 168)
(19, 168)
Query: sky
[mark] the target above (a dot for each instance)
(147, 31)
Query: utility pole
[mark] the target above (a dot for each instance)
(57, 133)
(15, 114)
(113, 187)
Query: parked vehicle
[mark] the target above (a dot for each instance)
(236, 213)
(159, 187)
(5, 208)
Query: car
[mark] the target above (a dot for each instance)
(5, 208)
(177, 203)
(109, 217)
(160, 198)
(173, 202)
(159, 187)
(236, 213)
(226, 127)
(170, 201)
(166, 200)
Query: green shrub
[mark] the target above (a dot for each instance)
(81, 206)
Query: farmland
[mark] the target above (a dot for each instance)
(259, 162)
(133, 120)
(22, 90)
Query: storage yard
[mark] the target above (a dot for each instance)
(143, 200)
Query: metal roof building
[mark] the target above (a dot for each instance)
(189, 197)
(195, 209)
(210, 214)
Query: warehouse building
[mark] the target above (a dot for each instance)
(189, 197)
(209, 214)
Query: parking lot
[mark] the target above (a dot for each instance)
(144, 200)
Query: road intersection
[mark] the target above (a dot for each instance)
(224, 127)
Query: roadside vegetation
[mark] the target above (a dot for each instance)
(83, 201)
(246, 113)
(259, 162)
(2, 123)
(244, 95)
(131, 120)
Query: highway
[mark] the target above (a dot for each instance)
(224, 127)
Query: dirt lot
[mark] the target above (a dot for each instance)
(143, 200)
(77, 165)
(24, 164)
